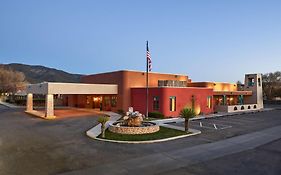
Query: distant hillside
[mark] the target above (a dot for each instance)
(38, 74)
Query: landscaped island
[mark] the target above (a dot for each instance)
(133, 129)
(163, 133)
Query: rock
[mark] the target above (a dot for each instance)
(134, 121)
(125, 117)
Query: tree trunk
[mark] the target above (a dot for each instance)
(186, 121)
(102, 131)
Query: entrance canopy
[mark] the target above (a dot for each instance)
(71, 88)
(49, 89)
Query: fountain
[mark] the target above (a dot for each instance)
(133, 123)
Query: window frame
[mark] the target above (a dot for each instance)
(156, 103)
(113, 101)
(171, 103)
(209, 102)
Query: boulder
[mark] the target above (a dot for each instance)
(134, 121)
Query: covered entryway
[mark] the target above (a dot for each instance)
(49, 89)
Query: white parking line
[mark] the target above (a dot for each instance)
(227, 122)
(226, 127)
(214, 125)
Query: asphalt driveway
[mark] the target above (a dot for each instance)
(31, 145)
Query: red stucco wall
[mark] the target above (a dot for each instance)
(127, 80)
(183, 98)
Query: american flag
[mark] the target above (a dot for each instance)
(149, 63)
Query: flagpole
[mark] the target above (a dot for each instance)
(146, 80)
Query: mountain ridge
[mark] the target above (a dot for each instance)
(39, 73)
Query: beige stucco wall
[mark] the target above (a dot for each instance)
(217, 86)
(72, 88)
(224, 108)
(257, 94)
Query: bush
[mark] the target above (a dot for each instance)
(156, 114)
(187, 113)
(20, 102)
(121, 112)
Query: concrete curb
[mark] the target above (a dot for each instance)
(151, 141)
(9, 105)
(178, 119)
(96, 130)
(38, 114)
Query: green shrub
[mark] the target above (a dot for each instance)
(20, 101)
(187, 113)
(156, 114)
(121, 112)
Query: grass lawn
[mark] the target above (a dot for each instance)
(161, 134)
(151, 119)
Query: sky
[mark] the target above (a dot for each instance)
(208, 40)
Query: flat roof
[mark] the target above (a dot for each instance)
(71, 88)
(161, 87)
(233, 92)
(137, 71)
(214, 82)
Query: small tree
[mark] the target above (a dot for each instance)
(187, 113)
(102, 120)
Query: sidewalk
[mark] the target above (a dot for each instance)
(96, 130)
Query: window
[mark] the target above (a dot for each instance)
(251, 81)
(224, 100)
(172, 103)
(240, 99)
(106, 101)
(259, 81)
(113, 101)
(155, 103)
(172, 83)
(88, 100)
(209, 102)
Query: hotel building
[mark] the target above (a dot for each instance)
(168, 93)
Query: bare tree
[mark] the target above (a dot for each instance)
(272, 84)
(239, 82)
(11, 80)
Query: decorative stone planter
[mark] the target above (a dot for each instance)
(146, 128)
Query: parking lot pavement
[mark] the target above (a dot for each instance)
(228, 126)
(264, 159)
(32, 145)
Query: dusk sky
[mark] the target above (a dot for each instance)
(208, 40)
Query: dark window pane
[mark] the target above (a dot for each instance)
(155, 103)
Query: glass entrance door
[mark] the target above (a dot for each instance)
(97, 102)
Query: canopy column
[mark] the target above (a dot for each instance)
(49, 110)
(29, 102)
